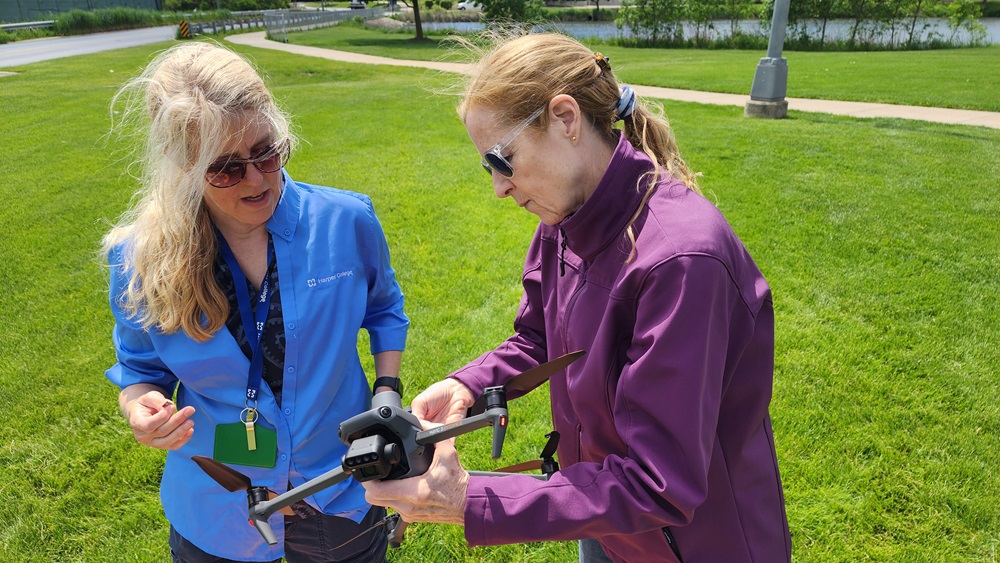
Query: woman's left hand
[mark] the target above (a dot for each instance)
(436, 496)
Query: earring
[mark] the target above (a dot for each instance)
(574, 138)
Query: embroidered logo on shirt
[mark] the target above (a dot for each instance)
(313, 282)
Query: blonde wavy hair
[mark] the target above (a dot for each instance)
(182, 109)
(516, 73)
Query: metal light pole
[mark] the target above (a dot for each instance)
(770, 81)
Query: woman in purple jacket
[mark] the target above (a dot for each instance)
(666, 443)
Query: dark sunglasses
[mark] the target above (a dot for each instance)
(229, 172)
(494, 161)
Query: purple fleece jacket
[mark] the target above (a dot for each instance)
(666, 442)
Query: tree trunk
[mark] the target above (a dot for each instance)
(416, 20)
(913, 24)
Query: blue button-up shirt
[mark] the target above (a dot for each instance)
(333, 263)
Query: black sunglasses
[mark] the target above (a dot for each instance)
(229, 172)
(493, 160)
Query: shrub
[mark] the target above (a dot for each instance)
(76, 22)
(579, 14)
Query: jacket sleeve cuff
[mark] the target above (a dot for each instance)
(477, 512)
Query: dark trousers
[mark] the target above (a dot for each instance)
(316, 539)
(592, 552)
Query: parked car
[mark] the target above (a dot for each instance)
(469, 5)
(357, 5)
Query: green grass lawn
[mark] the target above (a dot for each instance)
(953, 78)
(879, 238)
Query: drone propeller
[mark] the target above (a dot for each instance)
(547, 463)
(229, 478)
(521, 467)
(232, 480)
(528, 380)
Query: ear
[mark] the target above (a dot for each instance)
(564, 112)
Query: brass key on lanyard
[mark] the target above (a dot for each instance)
(251, 435)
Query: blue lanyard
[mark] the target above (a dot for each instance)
(253, 320)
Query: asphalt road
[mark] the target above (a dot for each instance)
(19, 53)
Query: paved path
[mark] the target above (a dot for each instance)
(17, 53)
(854, 109)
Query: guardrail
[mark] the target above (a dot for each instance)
(278, 22)
(255, 15)
(252, 21)
(27, 25)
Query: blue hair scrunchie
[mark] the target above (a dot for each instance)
(626, 103)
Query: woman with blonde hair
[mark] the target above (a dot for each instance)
(665, 442)
(238, 295)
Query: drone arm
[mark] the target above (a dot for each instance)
(495, 415)
(441, 433)
(504, 474)
(260, 511)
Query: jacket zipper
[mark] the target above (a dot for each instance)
(672, 543)
(581, 282)
(579, 442)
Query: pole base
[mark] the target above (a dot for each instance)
(769, 110)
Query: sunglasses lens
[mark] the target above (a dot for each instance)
(499, 164)
(271, 160)
(225, 174)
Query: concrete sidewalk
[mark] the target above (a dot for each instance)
(853, 109)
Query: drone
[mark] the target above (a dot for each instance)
(387, 442)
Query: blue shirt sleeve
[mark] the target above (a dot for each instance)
(138, 360)
(384, 320)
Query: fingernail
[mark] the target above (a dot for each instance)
(166, 404)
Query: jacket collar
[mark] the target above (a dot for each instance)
(286, 215)
(602, 218)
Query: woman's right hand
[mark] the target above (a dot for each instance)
(444, 402)
(154, 418)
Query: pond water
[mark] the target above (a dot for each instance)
(835, 29)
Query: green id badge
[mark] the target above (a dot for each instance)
(231, 445)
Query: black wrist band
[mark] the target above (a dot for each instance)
(386, 381)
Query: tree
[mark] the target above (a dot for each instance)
(416, 18)
(512, 10)
(652, 20)
(860, 11)
(965, 14)
(735, 10)
(701, 13)
(800, 14)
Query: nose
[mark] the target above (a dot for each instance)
(253, 175)
(502, 186)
